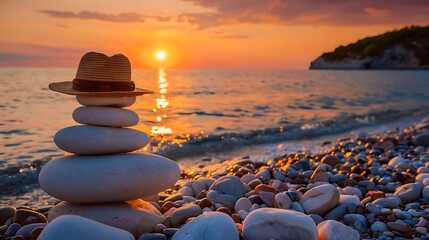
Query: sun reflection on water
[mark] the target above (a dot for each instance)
(161, 104)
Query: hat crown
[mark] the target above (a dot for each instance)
(95, 66)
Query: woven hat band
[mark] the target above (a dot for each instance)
(102, 86)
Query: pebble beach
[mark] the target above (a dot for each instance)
(370, 186)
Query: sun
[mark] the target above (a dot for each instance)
(161, 55)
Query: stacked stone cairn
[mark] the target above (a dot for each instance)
(102, 182)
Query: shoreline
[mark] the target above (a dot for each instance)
(379, 179)
(33, 196)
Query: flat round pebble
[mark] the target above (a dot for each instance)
(96, 140)
(105, 116)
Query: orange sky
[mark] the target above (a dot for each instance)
(196, 34)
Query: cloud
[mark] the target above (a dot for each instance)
(118, 18)
(232, 36)
(22, 54)
(310, 12)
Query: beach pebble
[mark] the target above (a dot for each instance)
(352, 191)
(423, 170)
(34, 234)
(320, 199)
(282, 200)
(399, 226)
(208, 226)
(225, 200)
(409, 192)
(186, 191)
(347, 199)
(6, 213)
(71, 227)
(242, 204)
(180, 216)
(422, 140)
(273, 223)
(337, 213)
(378, 226)
(25, 231)
(136, 216)
(105, 116)
(422, 230)
(316, 218)
(196, 186)
(108, 178)
(331, 229)
(106, 101)
(25, 216)
(264, 175)
(230, 185)
(330, 160)
(373, 208)
(425, 193)
(267, 198)
(319, 175)
(352, 218)
(248, 178)
(95, 140)
(12, 229)
(389, 202)
(421, 177)
(396, 161)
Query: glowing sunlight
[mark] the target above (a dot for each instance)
(161, 55)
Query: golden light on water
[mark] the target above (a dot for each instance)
(161, 101)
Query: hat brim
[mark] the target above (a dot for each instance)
(66, 88)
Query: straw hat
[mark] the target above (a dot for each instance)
(103, 76)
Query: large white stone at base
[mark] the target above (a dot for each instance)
(96, 140)
(275, 223)
(105, 116)
(106, 101)
(209, 226)
(71, 227)
(136, 216)
(107, 178)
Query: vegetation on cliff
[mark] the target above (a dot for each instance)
(412, 38)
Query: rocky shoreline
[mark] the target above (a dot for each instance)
(367, 187)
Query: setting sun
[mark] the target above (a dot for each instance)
(161, 55)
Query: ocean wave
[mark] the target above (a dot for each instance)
(181, 147)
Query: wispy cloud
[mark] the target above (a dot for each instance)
(118, 18)
(232, 36)
(311, 12)
(22, 54)
(280, 12)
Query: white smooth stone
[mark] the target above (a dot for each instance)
(95, 140)
(274, 223)
(320, 200)
(136, 216)
(106, 101)
(70, 227)
(209, 226)
(107, 178)
(105, 116)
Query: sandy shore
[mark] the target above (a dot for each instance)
(376, 186)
